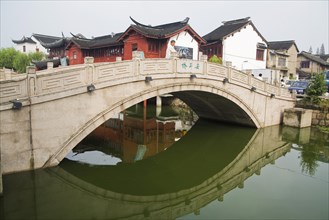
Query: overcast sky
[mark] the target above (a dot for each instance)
(306, 22)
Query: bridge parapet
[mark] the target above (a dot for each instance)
(76, 78)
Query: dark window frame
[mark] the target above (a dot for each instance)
(260, 54)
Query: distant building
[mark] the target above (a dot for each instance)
(26, 45)
(53, 46)
(325, 57)
(310, 63)
(239, 42)
(282, 58)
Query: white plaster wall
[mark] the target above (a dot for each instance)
(184, 39)
(29, 47)
(241, 48)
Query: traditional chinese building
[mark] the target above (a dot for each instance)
(153, 40)
(51, 45)
(103, 49)
(55, 46)
(239, 42)
(26, 45)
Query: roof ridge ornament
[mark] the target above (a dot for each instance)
(185, 20)
(143, 25)
(139, 24)
(79, 36)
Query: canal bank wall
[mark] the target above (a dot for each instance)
(302, 117)
(320, 118)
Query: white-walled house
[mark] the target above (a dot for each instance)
(239, 42)
(26, 45)
(35, 43)
(185, 43)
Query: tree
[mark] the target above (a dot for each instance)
(7, 57)
(322, 51)
(317, 87)
(36, 56)
(317, 51)
(13, 59)
(310, 50)
(20, 63)
(215, 59)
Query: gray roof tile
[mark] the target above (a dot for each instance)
(314, 58)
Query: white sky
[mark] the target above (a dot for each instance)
(306, 22)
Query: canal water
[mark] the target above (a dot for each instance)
(148, 163)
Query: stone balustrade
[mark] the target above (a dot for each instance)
(77, 77)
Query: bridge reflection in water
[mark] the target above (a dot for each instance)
(204, 165)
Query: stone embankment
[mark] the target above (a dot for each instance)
(320, 118)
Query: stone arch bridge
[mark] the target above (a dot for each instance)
(58, 107)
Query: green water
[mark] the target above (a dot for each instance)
(214, 171)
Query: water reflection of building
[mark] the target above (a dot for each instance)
(133, 138)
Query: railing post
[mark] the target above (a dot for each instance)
(228, 64)
(7, 74)
(136, 57)
(204, 59)
(249, 72)
(174, 58)
(50, 65)
(89, 63)
(31, 77)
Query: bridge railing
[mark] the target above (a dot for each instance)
(78, 77)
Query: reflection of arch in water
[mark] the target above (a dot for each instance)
(260, 151)
(87, 200)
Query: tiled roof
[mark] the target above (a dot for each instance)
(24, 40)
(46, 38)
(303, 75)
(97, 42)
(279, 53)
(227, 28)
(162, 31)
(325, 57)
(314, 58)
(59, 43)
(41, 65)
(281, 45)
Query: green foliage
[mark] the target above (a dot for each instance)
(20, 63)
(37, 56)
(215, 59)
(323, 129)
(317, 88)
(13, 59)
(324, 105)
(7, 57)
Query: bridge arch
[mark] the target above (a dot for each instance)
(205, 99)
(61, 106)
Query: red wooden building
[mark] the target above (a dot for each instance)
(152, 40)
(103, 49)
